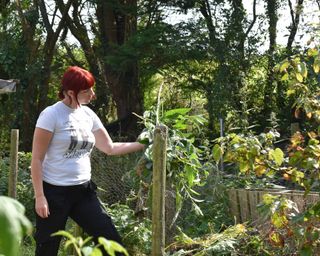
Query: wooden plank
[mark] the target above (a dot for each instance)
(13, 175)
(234, 204)
(312, 198)
(253, 202)
(244, 205)
(300, 200)
(158, 190)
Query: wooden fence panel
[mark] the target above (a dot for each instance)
(243, 202)
(234, 204)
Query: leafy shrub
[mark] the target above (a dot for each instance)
(24, 183)
(14, 225)
(136, 234)
(86, 248)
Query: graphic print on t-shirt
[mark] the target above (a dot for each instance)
(80, 143)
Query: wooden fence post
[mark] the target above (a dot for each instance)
(14, 148)
(158, 191)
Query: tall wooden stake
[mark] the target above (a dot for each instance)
(14, 148)
(158, 192)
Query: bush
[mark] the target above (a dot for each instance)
(24, 183)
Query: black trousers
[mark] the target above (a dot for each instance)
(78, 202)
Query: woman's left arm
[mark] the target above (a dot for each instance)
(105, 144)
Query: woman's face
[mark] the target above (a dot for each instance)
(85, 96)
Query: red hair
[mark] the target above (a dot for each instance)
(76, 79)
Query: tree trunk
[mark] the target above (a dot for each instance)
(295, 19)
(269, 98)
(117, 24)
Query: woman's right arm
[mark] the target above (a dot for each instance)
(41, 140)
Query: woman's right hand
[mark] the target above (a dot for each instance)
(42, 207)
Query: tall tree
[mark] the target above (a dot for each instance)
(295, 14)
(116, 25)
(269, 96)
(38, 60)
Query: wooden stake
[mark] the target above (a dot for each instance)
(14, 148)
(158, 192)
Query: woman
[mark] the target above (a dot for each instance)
(64, 137)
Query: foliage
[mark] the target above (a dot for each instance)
(184, 168)
(14, 225)
(212, 244)
(24, 183)
(251, 153)
(301, 73)
(136, 234)
(83, 247)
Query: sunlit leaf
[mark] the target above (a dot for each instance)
(299, 77)
(244, 167)
(217, 152)
(312, 52)
(278, 220)
(111, 246)
(277, 156)
(285, 77)
(316, 67)
(284, 65)
(290, 92)
(176, 112)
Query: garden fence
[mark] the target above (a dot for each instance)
(243, 202)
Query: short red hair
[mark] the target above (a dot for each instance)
(76, 79)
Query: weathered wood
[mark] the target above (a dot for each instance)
(243, 203)
(234, 205)
(253, 202)
(14, 148)
(158, 191)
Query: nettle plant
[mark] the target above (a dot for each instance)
(185, 169)
(291, 231)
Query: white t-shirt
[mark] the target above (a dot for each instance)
(67, 160)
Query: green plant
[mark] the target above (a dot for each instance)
(14, 225)
(136, 233)
(290, 230)
(24, 184)
(223, 243)
(84, 247)
(184, 158)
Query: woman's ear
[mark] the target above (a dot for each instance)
(70, 93)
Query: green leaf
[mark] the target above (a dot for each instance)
(269, 199)
(173, 113)
(306, 250)
(217, 153)
(13, 225)
(111, 246)
(316, 67)
(312, 52)
(285, 77)
(299, 77)
(278, 220)
(96, 252)
(64, 233)
(190, 174)
(290, 92)
(284, 66)
(244, 167)
(277, 156)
